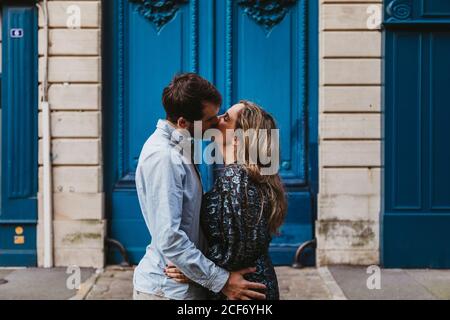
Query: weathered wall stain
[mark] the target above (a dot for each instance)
(78, 237)
(356, 233)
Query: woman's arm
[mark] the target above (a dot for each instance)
(234, 215)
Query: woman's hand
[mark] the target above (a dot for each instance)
(173, 272)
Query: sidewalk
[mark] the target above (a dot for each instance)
(334, 282)
(116, 283)
(396, 284)
(38, 284)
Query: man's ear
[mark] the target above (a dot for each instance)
(182, 123)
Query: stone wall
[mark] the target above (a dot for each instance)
(347, 229)
(74, 96)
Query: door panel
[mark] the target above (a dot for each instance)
(18, 210)
(268, 68)
(154, 57)
(246, 54)
(439, 117)
(417, 150)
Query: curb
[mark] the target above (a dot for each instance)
(86, 286)
(334, 289)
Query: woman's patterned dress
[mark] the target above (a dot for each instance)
(234, 221)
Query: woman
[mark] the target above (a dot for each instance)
(245, 207)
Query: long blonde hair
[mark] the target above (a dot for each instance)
(253, 117)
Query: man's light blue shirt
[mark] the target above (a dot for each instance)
(170, 194)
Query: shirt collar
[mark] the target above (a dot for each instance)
(172, 133)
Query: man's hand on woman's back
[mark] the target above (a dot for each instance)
(237, 288)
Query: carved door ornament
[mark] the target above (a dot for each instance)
(160, 12)
(267, 13)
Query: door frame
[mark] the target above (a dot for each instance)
(114, 95)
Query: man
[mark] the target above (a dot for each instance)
(170, 195)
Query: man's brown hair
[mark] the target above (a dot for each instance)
(185, 97)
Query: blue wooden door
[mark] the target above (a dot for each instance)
(19, 168)
(416, 219)
(250, 50)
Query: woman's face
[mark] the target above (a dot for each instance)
(227, 123)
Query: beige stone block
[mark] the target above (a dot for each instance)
(71, 69)
(77, 124)
(74, 151)
(75, 206)
(354, 181)
(335, 44)
(79, 234)
(347, 257)
(350, 153)
(82, 245)
(62, 14)
(75, 179)
(71, 42)
(350, 99)
(74, 96)
(347, 235)
(350, 71)
(348, 16)
(350, 126)
(348, 207)
(89, 258)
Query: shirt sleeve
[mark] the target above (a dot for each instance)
(164, 184)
